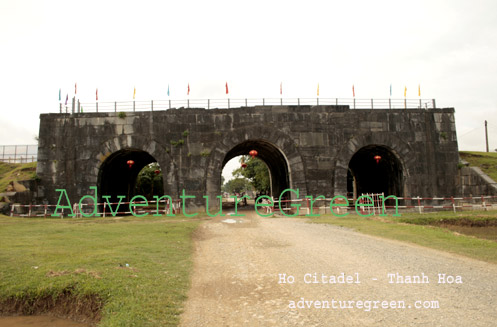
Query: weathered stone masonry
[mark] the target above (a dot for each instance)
(305, 147)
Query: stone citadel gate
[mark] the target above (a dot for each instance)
(320, 150)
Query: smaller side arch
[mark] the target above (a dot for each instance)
(136, 143)
(394, 144)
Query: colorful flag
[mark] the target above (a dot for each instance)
(75, 88)
(59, 95)
(318, 89)
(226, 87)
(405, 91)
(390, 90)
(67, 98)
(134, 92)
(188, 89)
(167, 89)
(281, 88)
(353, 91)
(419, 90)
(96, 94)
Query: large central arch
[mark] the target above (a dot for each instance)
(272, 156)
(275, 148)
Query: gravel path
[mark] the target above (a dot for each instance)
(238, 266)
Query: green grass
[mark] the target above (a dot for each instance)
(486, 161)
(40, 257)
(15, 172)
(415, 228)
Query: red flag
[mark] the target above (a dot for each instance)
(75, 88)
(96, 94)
(353, 91)
(226, 87)
(281, 88)
(188, 89)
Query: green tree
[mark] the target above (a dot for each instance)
(256, 172)
(148, 182)
(237, 185)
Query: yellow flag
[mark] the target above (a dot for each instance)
(134, 93)
(405, 91)
(318, 89)
(419, 90)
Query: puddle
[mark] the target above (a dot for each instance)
(38, 321)
(231, 221)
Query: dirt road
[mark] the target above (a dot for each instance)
(238, 265)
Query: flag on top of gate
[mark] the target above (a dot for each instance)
(226, 87)
(390, 89)
(67, 98)
(96, 94)
(167, 89)
(134, 92)
(405, 91)
(188, 89)
(75, 88)
(419, 90)
(59, 95)
(353, 91)
(281, 88)
(318, 89)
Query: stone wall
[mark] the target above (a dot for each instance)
(315, 142)
(474, 182)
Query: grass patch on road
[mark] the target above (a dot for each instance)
(422, 229)
(136, 268)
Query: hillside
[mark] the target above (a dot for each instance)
(15, 172)
(486, 161)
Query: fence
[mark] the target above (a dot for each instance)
(19, 153)
(105, 209)
(76, 106)
(307, 206)
(365, 206)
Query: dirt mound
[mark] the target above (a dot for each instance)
(81, 309)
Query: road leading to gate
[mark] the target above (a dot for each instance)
(238, 263)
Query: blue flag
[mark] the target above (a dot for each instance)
(167, 89)
(390, 89)
(59, 95)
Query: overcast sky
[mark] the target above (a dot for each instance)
(447, 47)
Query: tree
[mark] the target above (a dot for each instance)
(148, 182)
(256, 172)
(237, 185)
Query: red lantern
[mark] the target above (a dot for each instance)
(377, 158)
(253, 153)
(130, 163)
(157, 171)
(244, 165)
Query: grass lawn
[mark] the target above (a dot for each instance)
(422, 229)
(138, 267)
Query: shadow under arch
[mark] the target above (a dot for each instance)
(133, 143)
(275, 148)
(375, 169)
(118, 178)
(393, 148)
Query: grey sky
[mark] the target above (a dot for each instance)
(447, 47)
